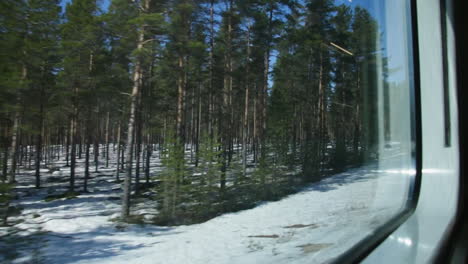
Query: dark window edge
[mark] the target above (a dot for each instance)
(454, 248)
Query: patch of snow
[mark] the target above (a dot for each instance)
(313, 226)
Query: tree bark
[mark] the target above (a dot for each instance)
(88, 146)
(138, 144)
(67, 148)
(119, 149)
(5, 163)
(148, 157)
(264, 100)
(225, 108)
(39, 142)
(73, 147)
(246, 108)
(180, 102)
(14, 148)
(107, 139)
(211, 67)
(15, 131)
(137, 75)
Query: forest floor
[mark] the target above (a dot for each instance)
(312, 226)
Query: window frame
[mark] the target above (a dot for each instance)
(359, 251)
(421, 238)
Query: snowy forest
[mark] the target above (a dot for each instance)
(191, 108)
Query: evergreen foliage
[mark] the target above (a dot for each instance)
(5, 198)
(242, 101)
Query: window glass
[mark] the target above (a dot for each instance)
(203, 131)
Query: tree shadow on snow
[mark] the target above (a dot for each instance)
(335, 181)
(100, 243)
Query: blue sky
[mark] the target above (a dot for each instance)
(103, 4)
(375, 7)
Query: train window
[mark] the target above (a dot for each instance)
(204, 131)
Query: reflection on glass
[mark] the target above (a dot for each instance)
(354, 77)
(258, 131)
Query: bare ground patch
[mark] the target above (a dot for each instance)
(312, 248)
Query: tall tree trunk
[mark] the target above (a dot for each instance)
(198, 131)
(192, 124)
(225, 108)
(88, 146)
(107, 139)
(180, 137)
(15, 131)
(5, 160)
(246, 107)
(255, 125)
(29, 151)
(180, 102)
(211, 81)
(137, 75)
(264, 103)
(96, 149)
(122, 157)
(14, 148)
(357, 117)
(39, 142)
(264, 99)
(79, 135)
(230, 113)
(119, 149)
(67, 148)
(148, 157)
(73, 147)
(138, 144)
(321, 114)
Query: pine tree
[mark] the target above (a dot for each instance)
(343, 79)
(209, 168)
(43, 41)
(14, 81)
(137, 82)
(80, 41)
(172, 177)
(191, 78)
(148, 24)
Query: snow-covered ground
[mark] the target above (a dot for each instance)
(312, 226)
